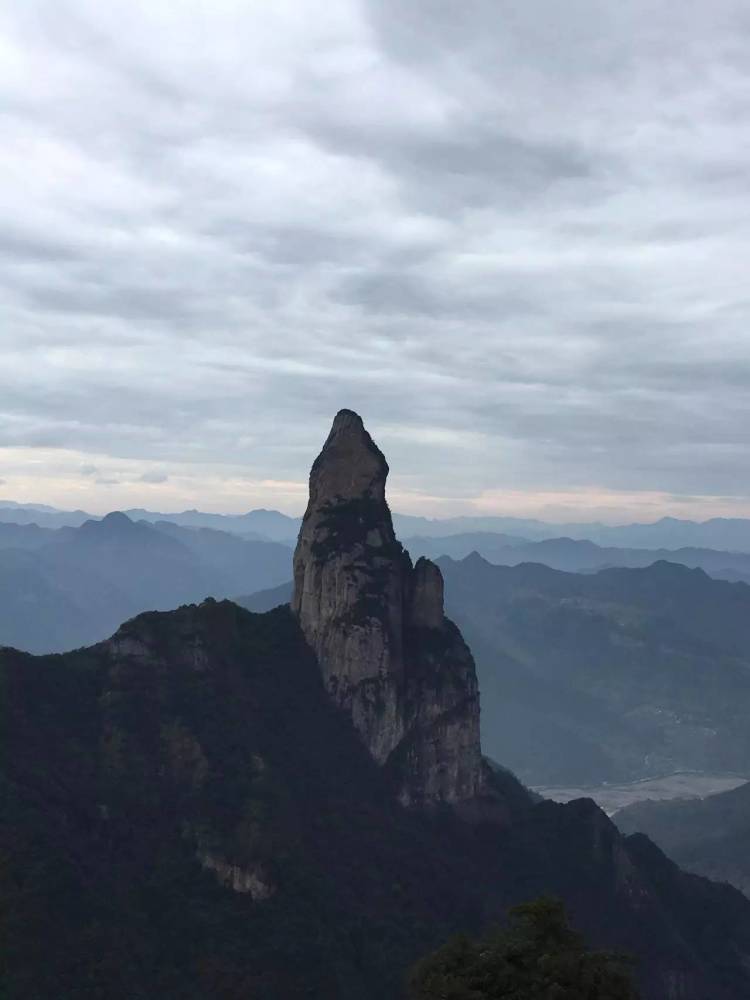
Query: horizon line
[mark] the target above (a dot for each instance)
(31, 505)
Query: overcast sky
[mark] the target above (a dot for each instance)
(515, 236)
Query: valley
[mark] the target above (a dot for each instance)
(611, 798)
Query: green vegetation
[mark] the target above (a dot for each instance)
(129, 781)
(537, 957)
(134, 782)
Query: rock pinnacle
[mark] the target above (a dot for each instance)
(388, 655)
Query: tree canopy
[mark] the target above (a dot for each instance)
(536, 957)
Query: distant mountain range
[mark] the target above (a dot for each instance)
(578, 555)
(732, 534)
(268, 525)
(728, 534)
(611, 676)
(708, 836)
(64, 588)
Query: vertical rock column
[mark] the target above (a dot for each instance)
(388, 655)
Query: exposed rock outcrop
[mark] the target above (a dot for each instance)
(254, 881)
(388, 654)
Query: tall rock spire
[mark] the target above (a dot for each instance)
(388, 654)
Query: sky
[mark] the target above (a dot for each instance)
(514, 236)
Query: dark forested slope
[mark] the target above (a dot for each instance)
(184, 813)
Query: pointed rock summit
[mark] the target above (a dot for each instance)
(388, 654)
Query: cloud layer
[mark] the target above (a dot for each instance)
(512, 235)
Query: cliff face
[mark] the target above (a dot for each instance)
(388, 655)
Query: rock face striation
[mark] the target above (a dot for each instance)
(389, 656)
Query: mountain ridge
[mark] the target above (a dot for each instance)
(79, 583)
(610, 676)
(577, 555)
(728, 534)
(709, 836)
(149, 877)
(189, 809)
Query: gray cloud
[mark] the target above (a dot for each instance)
(513, 236)
(153, 477)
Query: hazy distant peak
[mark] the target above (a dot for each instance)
(475, 559)
(114, 522)
(116, 517)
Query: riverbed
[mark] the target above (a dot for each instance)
(684, 785)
